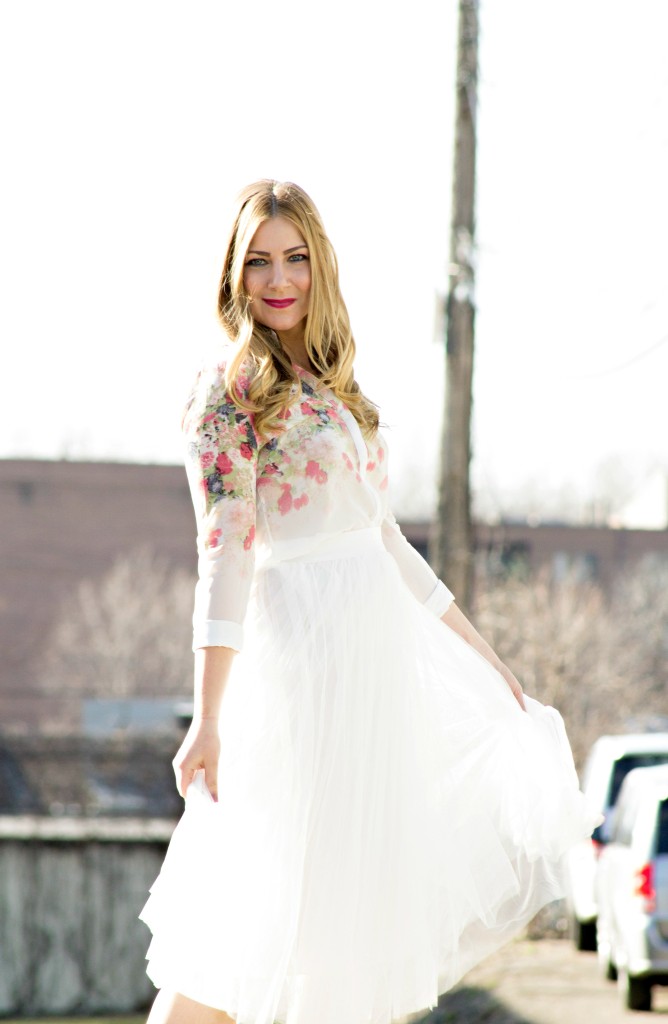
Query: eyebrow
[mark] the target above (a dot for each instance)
(261, 252)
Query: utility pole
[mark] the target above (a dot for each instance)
(453, 541)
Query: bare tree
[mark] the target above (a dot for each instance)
(126, 635)
(640, 613)
(615, 481)
(600, 661)
(598, 501)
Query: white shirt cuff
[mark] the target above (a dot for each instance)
(439, 600)
(217, 633)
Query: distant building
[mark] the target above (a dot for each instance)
(595, 553)
(60, 523)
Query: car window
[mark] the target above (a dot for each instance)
(662, 830)
(624, 765)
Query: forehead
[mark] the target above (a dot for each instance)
(276, 235)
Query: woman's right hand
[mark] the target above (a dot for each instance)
(200, 750)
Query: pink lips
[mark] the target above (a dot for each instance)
(279, 303)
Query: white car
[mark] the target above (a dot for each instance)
(632, 889)
(610, 760)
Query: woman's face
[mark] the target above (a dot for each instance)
(277, 277)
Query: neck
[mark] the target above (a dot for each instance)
(296, 351)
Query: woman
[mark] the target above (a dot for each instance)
(372, 805)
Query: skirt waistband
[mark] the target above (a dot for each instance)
(341, 545)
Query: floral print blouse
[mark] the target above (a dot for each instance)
(262, 500)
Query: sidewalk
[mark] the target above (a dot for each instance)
(539, 982)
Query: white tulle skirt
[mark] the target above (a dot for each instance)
(387, 814)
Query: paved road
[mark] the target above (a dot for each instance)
(541, 982)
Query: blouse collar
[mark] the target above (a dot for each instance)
(315, 382)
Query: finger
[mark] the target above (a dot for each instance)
(184, 777)
(187, 776)
(211, 780)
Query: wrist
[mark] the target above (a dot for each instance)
(204, 719)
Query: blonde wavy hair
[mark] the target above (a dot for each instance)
(259, 356)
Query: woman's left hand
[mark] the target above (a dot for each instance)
(514, 685)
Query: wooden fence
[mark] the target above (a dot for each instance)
(70, 892)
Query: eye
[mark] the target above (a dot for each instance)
(256, 261)
(298, 257)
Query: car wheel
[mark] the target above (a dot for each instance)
(636, 992)
(584, 935)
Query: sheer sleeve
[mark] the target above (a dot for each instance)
(221, 463)
(418, 575)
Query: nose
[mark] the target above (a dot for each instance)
(278, 277)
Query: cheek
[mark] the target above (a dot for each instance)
(253, 286)
(305, 281)
(256, 308)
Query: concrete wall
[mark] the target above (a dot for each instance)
(70, 892)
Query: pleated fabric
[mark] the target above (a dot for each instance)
(387, 814)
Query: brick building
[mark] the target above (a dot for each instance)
(596, 553)
(61, 522)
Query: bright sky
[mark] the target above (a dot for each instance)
(127, 126)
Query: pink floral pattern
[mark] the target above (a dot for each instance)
(317, 477)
